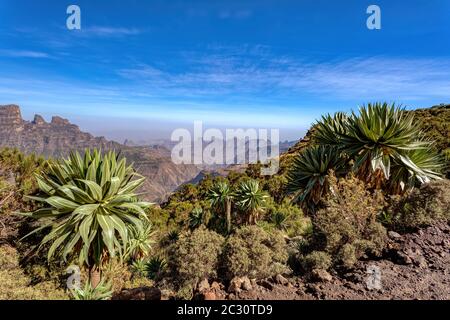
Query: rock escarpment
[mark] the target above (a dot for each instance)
(51, 139)
(58, 137)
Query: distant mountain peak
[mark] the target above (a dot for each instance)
(38, 120)
(10, 115)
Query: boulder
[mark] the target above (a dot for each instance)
(402, 258)
(281, 280)
(421, 262)
(240, 283)
(394, 235)
(266, 284)
(321, 275)
(246, 284)
(235, 285)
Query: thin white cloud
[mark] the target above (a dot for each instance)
(359, 78)
(107, 31)
(244, 86)
(23, 54)
(378, 77)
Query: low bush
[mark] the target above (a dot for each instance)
(195, 256)
(16, 285)
(421, 206)
(255, 253)
(288, 218)
(347, 228)
(316, 260)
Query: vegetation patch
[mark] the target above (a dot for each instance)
(195, 256)
(255, 253)
(420, 207)
(347, 228)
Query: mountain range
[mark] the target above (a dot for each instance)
(58, 137)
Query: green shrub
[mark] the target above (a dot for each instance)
(103, 291)
(141, 241)
(16, 285)
(347, 228)
(195, 256)
(253, 252)
(179, 213)
(123, 276)
(420, 207)
(155, 267)
(139, 267)
(160, 218)
(316, 260)
(287, 218)
(18, 174)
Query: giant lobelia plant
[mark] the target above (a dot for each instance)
(309, 173)
(221, 198)
(90, 203)
(383, 142)
(251, 200)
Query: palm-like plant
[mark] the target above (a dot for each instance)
(141, 241)
(155, 267)
(196, 218)
(329, 130)
(173, 236)
(379, 135)
(380, 138)
(280, 220)
(427, 163)
(102, 291)
(90, 202)
(139, 267)
(221, 197)
(251, 199)
(308, 176)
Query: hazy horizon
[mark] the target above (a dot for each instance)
(142, 130)
(146, 68)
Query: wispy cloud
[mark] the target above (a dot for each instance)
(23, 54)
(376, 77)
(219, 83)
(400, 79)
(107, 31)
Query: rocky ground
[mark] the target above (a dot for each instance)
(415, 266)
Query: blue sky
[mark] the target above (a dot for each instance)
(141, 68)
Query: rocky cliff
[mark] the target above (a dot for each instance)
(58, 137)
(52, 139)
